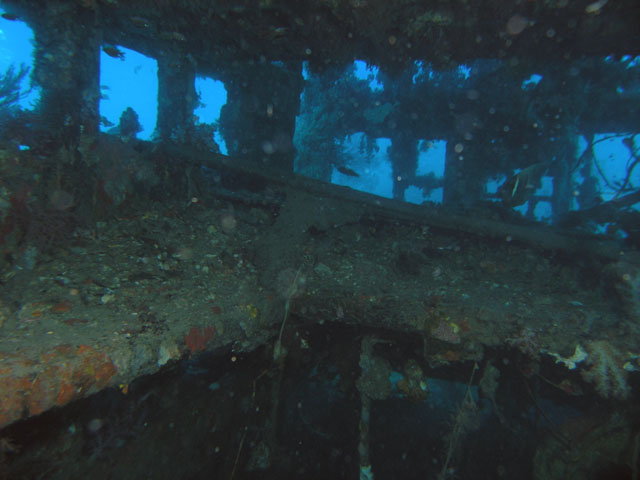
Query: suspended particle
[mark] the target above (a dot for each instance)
(595, 7)
(516, 24)
(473, 94)
(268, 148)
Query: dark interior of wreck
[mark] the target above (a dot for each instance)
(169, 311)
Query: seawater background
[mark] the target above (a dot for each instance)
(132, 82)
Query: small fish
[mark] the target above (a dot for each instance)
(113, 51)
(10, 16)
(277, 32)
(347, 171)
(173, 36)
(140, 22)
(519, 188)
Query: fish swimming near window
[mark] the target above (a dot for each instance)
(519, 188)
(113, 51)
(347, 171)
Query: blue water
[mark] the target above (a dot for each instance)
(132, 82)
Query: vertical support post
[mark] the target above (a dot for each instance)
(462, 186)
(562, 188)
(258, 121)
(177, 98)
(67, 68)
(453, 191)
(366, 352)
(373, 384)
(404, 162)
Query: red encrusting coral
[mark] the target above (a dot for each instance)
(69, 373)
(197, 338)
(62, 374)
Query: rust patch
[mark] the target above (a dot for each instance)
(197, 338)
(62, 307)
